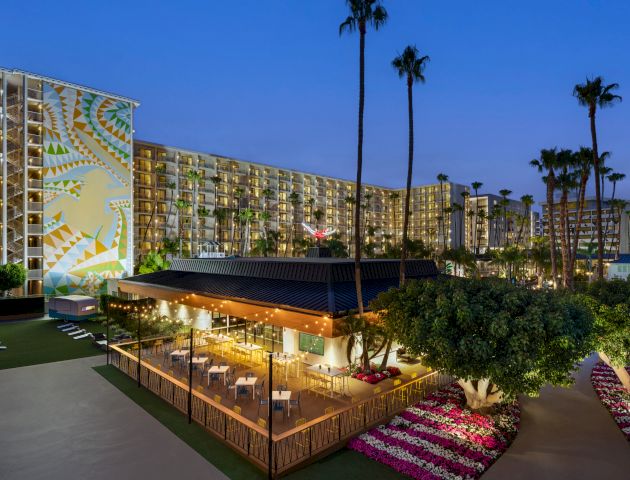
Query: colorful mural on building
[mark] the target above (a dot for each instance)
(87, 190)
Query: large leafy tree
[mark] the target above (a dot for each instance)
(409, 65)
(610, 303)
(497, 339)
(363, 13)
(12, 275)
(594, 94)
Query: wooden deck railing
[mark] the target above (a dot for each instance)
(293, 447)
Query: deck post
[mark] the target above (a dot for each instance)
(270, 419)
(139, 348)
(107, 334)
(190, 365)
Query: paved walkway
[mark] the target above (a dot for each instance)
(565, 434)
(63, 420)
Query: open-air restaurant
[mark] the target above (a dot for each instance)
(262, 355)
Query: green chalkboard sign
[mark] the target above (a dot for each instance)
(311, 344)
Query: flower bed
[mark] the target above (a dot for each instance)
(439, 439)
(374, 375)
(612, 395)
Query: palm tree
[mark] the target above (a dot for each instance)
(194, 176)
(366, 211)
(441, 225)
(582, 164)
(616, 207)
(237, 193)
(527, 201)
(476, 186)
(393, 198)
(547, 163)
(459, 209)
(318, 214)
(294, 200)
(565, 182)
(349, 201)
(505, 202)
(220, 215)
(363, 13)
(215, 181)
(613, 178)
(591, 95)
(182, 206)
(245, 217)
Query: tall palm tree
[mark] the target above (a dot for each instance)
(215, 181)
(294, 200)
(459, 210)
(594, 94)
(505, 202)
(441, 225)
(582, 165)
(476, 186)
(548, 163)
(393, 198)
(237, 194)
(363, 13)
(527, 201)
(613, 177)
(349, 201)
(194, 176)
(565, 182)
(318, 214)
(182, 206)
(245, 217)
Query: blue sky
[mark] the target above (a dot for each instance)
(273, 82)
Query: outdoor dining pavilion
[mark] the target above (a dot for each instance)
(263, 354)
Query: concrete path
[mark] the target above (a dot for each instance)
(565, 434)
(63, 420)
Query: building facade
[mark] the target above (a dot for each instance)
(493, 222)
(615, 226)
(273, 199)
(66, 156)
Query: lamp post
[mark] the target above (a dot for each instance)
(107, 306)
(139, 348)
(190, 365)
(270, 419)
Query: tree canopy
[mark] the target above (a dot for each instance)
(497, 339)
(12, 275)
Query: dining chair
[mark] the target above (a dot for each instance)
(297, 402)
(259, 388)
(262, 402)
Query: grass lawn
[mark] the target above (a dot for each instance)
(30, 342)
(344, 464)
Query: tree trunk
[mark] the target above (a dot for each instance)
(552, 228)
(563, 239)
(357, 211)
(403, 250)
(482, 395)
(621, 372)
(598, 198)
(388, 349)
(578, 224)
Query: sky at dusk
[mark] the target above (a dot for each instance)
(273, 82)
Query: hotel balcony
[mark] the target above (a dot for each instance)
(35, 162)
(35, 274)
(35, 229)
(35, 251)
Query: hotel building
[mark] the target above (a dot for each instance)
(615, 225)
(82, 200)
(65, 157)
(492, 222)
(289, 196)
